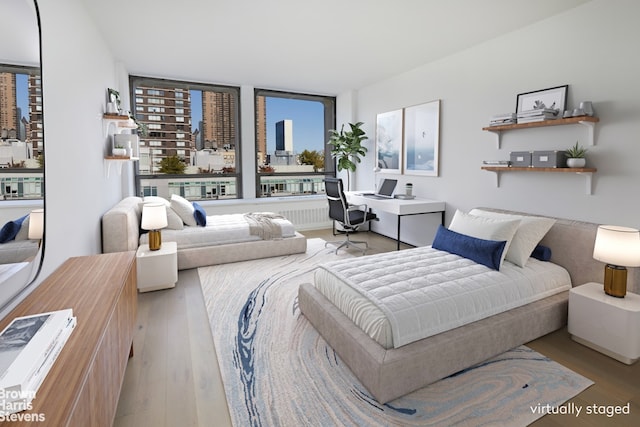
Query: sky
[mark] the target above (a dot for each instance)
(307, 117)
(22, 94)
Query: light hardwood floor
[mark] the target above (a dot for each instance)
(173, 378)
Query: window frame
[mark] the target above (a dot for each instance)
(329, 103)
(136, 81)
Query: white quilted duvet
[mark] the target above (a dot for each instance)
(421, 292)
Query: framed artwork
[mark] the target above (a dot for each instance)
(389, 141)
(554, 98)
(422, 139)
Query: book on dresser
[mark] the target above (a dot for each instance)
(29, 346)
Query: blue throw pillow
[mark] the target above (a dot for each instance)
(10, 230)
(485, 252)
(541, 252)
(199, 214)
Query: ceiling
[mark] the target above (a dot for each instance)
(324, 47)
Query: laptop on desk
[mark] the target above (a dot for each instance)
(386, 190)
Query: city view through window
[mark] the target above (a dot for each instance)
(21, 133)
(190, 140)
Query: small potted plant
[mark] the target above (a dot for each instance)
(119, 151)
(576, 156)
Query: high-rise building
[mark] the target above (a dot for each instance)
(261, 129)
(166, 112)
(35, 133)
(284, 136)
(8, 103)
(219, 121)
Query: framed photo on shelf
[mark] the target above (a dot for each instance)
(554, 98)
(422, 139)
(389, 141)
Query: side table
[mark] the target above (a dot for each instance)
(604, 323)
(157, 269)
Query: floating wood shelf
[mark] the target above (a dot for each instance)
(587, 121)
(587, 172)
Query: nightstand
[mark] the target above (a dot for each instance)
(157, 269)
(607, 324)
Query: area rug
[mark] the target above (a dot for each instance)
(278, 371)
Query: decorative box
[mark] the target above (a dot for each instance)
(549, 159)
(520, 158)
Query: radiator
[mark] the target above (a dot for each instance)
(308, 219)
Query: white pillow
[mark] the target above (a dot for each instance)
(485, 228)
(174, 222)
(530, 231)
(184, 209)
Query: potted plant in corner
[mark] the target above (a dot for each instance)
(347, 148)
(576, 156)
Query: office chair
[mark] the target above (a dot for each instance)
(349, 216)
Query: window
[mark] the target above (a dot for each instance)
(291, 134)
(183, 152)
(21, 136)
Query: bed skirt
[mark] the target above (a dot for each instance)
(389, 374)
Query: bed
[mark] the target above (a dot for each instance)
(390, 369)
(217, 239)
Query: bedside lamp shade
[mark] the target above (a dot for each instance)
(36, 224)
(154, 217)
(618, 247)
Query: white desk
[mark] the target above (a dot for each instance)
(398, 207)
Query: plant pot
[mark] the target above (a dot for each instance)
(119, 152)
(576, 163)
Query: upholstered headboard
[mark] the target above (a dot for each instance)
(571, 244)
(121, 226)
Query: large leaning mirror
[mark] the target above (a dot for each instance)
(21, 149)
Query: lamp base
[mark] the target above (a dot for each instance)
(155, 240)
(615, 280)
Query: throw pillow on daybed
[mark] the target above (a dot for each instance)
(11, 229)
(199, 214)
(485, 252)
(174, 222)
(485, 228)
(184, 209)
(529, 233)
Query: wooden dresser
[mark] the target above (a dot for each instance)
(83, 386)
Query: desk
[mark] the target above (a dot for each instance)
(398, 207)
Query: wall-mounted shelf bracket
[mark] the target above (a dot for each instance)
(586, 172)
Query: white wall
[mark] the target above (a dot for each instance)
(77, 69)
(593, 49)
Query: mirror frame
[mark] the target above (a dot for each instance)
(28, 275)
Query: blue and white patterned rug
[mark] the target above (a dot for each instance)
(278, 371)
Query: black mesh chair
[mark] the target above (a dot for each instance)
(349, 216)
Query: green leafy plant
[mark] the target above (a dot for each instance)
(347, 148)
(576, 152)
(172, 165)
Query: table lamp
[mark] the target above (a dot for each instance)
(36, 225)
(618, 247)
(154, 217)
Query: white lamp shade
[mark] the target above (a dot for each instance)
(154, 216)
(617, 245)
(36, 224)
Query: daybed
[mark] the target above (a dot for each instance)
(16, 246)
(197, 245)
(389, 373)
